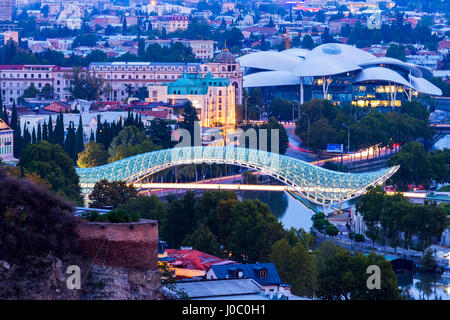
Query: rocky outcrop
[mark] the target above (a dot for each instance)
(110, 283)
(120, 264)
(39, 278)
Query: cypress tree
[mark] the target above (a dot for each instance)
(4, 114)
(92, 138)
(70, 143)
(26, 137)
(33, 137)
(59, 130)
(99, 131)
(106, 135)
(51, 136)
(17, 137)
(44, 132)
(79, 141)
(141, 124)
(39, 133)
(136, 121)
(14, 119)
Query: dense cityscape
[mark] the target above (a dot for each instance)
(224, 150)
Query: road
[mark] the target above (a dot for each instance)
(296, 148)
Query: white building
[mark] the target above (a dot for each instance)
(6, 142)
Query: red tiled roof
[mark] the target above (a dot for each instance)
(57, 107)
(194, 259)
(156, 114)
(4, 126)
(11, 67)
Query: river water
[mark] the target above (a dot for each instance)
(291, 213)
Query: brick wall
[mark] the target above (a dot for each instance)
(126, 245)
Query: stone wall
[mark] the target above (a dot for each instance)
(122, 245)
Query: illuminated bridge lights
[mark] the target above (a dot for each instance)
(316, 184)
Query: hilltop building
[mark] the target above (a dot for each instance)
(213, 98)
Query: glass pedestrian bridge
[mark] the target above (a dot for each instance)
(316, 184)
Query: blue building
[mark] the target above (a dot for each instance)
(265, 274)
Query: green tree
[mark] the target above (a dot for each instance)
(308, 42)
(54, 165)
(180, 219)
(370, 207)
(70, 142)
(84, 85)
(204, 240)
(428, 263)
(147, 207)
(34, 222)
(129, 142)
(414, 166)
(344, 277)
(397, 52)
(92, 156)
(253, 230)
(111, 194)
(190, 118)
(161, 133)
(296, 266)
(79, 137)
(331, 231)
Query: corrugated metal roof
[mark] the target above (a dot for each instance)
(217, 288)
(251, 271)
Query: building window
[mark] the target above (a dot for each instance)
(263, 274)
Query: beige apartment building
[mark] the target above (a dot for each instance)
(170, 23)
(15, 79)
(118, 76)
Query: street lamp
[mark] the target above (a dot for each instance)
(245, 111)
(307, 115)
(260, 112)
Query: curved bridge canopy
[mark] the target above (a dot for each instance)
(314, 183)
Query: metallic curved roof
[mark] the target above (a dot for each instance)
(394, 62)
(342, 52)
(316, 66)
(297, 52)
(270, 78)
(381, 74)
(314, 183)
(331, 59)
(269, 60)
(425, 86)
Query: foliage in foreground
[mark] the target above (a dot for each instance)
(33, 221)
